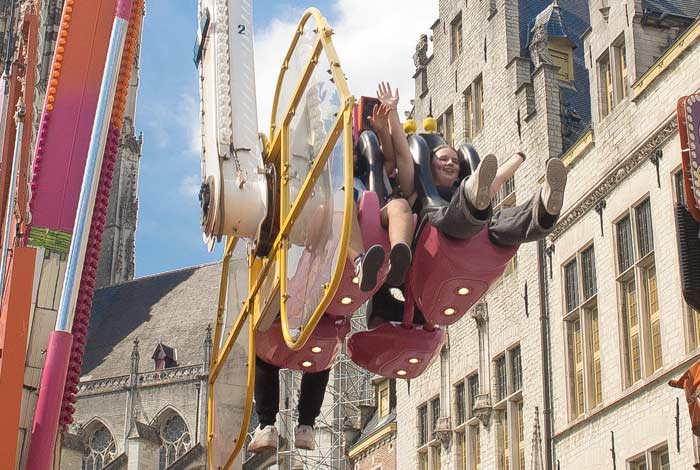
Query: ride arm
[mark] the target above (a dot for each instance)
(404, 160)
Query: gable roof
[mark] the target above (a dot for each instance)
(175, 307)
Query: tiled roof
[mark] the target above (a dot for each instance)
(569, 21)
(173, 307)
(685, 8)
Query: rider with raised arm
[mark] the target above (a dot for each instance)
(396, 215)
(470, 209)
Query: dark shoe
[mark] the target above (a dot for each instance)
(399, 262)
(367, 266)
(552, 194)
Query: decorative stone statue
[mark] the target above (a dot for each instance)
(539, 52)
(420, 58)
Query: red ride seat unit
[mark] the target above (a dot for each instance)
(448, 276)
(318, 353)
(396, 351)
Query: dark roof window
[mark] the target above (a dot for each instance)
(164, 356)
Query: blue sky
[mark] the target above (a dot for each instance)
(168, 235)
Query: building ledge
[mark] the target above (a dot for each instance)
(615, 176)
(634, 391)
(688, 39)
(375, 437)
(579, 149)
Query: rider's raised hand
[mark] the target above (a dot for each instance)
(387, 98)
(380, 118)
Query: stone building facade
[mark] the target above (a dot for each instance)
(142, 398)
(565, 362)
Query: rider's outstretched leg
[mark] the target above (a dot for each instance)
(313, 390)
(267, 398)
(398, 218)
(535, 219)
(470, 208)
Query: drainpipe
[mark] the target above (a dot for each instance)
(547, 411)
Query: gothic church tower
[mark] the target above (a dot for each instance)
(117, 253)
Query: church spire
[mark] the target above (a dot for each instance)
(116, 262)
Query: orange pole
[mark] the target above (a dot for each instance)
(14, 328)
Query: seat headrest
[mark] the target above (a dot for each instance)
(422, 147)
(370, 153)
(466, 153)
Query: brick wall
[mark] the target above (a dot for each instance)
(381, 456)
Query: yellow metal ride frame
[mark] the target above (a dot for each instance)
(259, 268)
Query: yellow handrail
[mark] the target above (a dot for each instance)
(343, 124)
(344, 118)
(320, 21)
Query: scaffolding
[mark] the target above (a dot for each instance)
(349, 388)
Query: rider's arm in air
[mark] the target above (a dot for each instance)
(380, 124)
(404, 160)
(506, 171)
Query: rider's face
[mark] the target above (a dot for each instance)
(445, 167)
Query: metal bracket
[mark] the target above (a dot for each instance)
(655, 158)
(599, 208)
(549, 252)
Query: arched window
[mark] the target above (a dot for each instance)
(176, 439)
(99, 448)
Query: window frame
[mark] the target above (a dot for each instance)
(427, 448)
(635, 273)
(456, 36)
(562, 54)
(620, 68)
(468, 432)
(506, 197)
(446, 125)
(650, 459)
(382, 408)
(606, 97)
(591, 392)
(508, 407)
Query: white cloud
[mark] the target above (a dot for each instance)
(375, 41)
(187, 118)
(166, 122)
(189, 186)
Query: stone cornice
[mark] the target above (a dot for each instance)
(145, 379)
(614, 177)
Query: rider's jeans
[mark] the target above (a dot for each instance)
(267, 394)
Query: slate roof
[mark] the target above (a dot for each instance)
(569, 21)
(684, 8)
(374, 424)
(174, 307)
(553, 19)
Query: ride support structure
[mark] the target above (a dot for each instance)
(77, 141)
(312, 115)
